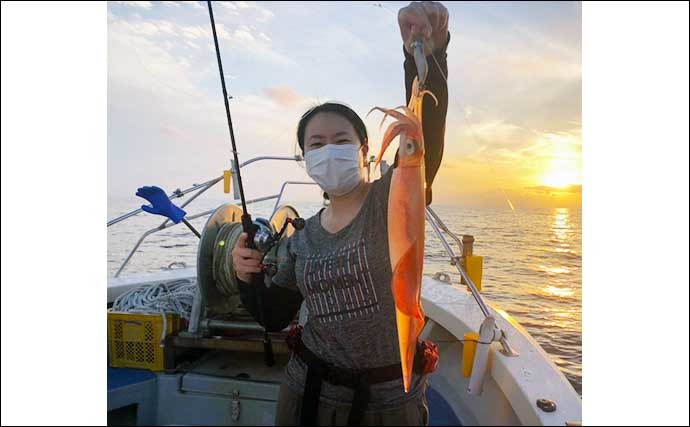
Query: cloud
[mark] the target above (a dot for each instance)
(244, 36)
(334, 43)
(245, 40)
(159, 107)
(527, 73)
(141, 4)
(176, 133)
(150, 67)
(283, 96)
(248, 11)
(148, 28)
(545, 189)
(500, 134)
(245, 44)
(515, 88)
(157, 110)
(192, 45)
(496, 138)
(195, 32)
(229, 5)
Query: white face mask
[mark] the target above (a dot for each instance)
(336, 168)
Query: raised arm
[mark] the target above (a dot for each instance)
(430, 19)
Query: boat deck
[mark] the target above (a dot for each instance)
(205, 393)
(236, 388)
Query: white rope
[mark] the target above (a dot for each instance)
(161, 298)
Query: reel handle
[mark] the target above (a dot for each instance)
(298, 223)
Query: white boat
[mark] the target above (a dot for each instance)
(224, 381)
(211, 372)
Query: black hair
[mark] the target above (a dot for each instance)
(332, 107)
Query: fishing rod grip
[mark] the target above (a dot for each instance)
(259, 285)
(269, 359)
(250, 228)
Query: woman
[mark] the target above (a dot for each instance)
(345, 366)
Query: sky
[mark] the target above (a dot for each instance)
(513, 132)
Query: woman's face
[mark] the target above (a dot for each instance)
(330, 128)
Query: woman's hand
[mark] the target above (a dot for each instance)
(428, 19)
(245, 261)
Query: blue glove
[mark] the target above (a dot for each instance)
(160, 204)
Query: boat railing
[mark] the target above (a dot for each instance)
(175, 194)
(439, 227)
(200, 189)
(432, 218)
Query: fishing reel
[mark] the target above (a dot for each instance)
(264, 238)
(268, 235)
(215, 272)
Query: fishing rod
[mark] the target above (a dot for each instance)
(262, 235)
(248, 226)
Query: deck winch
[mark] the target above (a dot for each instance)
(216, 276)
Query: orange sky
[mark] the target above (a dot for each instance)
(513, 128)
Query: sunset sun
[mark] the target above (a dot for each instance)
(563, 169)
(561, 174)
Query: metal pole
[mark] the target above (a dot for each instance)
(198, 304)
(163, 224)
(177, 194)
(167, 224)
(444, 228)
(230, 325)
(294, 158)
(464, 275)
(134, 249)
(430, 215)
(282, 188)
(191, 227)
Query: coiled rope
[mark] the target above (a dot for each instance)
(162, 298)
(177, 296)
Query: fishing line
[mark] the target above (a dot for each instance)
(161, 82)
(470, 126)
(229, 118)
(381, 6)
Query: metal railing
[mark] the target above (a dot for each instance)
(201, 188)
(282, 188)
(438, 225)
(432, 218)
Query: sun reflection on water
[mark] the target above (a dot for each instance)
(559, 292)
(561, 224)
(554, 270)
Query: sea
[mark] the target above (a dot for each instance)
(532, 262)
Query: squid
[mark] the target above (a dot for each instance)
(406, 205)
